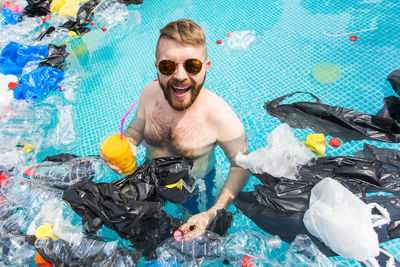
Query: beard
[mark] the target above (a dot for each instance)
(181, 104)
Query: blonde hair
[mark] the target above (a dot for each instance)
(185, 31)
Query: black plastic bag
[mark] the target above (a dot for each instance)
(394, 79)
(56, 57)
(37, 8)
(391, 108)
(336, 121)
(279, 204)
(123, 203)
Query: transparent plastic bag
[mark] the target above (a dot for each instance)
(280, 158)
(239, 41)
(342, 221)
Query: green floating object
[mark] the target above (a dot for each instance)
(326, 72)
(80, 50)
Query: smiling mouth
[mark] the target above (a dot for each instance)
(180, 92)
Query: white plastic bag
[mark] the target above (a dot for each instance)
(342, 221)
(280, 158)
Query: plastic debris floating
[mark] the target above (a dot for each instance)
(326, 72)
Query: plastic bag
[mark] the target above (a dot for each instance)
(394, 79)
(239, 41)
(342, 221)
(280, 157)
(38, 83)
(15, 56)
(336, 121)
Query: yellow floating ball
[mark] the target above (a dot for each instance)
(326, 72)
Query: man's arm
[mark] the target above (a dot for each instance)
(237, 177)
(231, 138)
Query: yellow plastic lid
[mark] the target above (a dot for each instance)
(45, 231)
(316, 143)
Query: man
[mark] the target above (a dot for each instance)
(177, 116)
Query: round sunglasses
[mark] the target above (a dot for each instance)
(168, 67)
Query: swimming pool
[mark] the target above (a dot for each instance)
(289, 41)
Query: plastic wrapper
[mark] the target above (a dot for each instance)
(239, 41)
(111, 13)
(70, 85)
(342, 221)
(91, 251)
(336, 121)
(62, 174)
(280, 157)
(193, 251)
(261, 248)
(38, 83)
(16, 251)
(65, 136)
(303, 253)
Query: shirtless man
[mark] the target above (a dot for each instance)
(177, 116)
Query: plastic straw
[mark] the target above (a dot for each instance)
(123, 119)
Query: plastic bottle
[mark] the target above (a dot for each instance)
(15, 250)
(89, 252)
(62, 175)
(302, 253)
(257, 245)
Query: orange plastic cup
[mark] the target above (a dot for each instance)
(118, 152)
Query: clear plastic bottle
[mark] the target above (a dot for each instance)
(16, 251)
(90, 252)
(62, 175)
(250, 245)
(303, 253)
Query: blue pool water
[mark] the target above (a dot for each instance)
(290, 40)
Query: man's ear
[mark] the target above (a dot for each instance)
(208, 64)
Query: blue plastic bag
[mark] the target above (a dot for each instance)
(10, 17)
(14, 57)
(38, 83)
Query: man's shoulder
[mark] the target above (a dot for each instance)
(221, 113)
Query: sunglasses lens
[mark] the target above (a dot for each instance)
(193, 66)
(166, 67)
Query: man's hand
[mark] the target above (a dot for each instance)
(113, 167)
(197, 224)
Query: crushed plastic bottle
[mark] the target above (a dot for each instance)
(64, 174)
(91, 251)
(193, 251)
(16, 251)
(303, 253)
(259, 246)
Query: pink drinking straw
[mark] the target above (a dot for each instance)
(123, 119)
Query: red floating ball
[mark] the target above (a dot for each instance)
(219, 41)
(335, 142)
(12, 85)
(353, 38)
(103, 28)
(229, 34)
(92, 23)
(155, 80)
(43, 20)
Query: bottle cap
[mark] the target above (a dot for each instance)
(335, 142)
(45, 231)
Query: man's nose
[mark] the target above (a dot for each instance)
(180, 73)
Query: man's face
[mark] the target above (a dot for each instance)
(181, 88)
